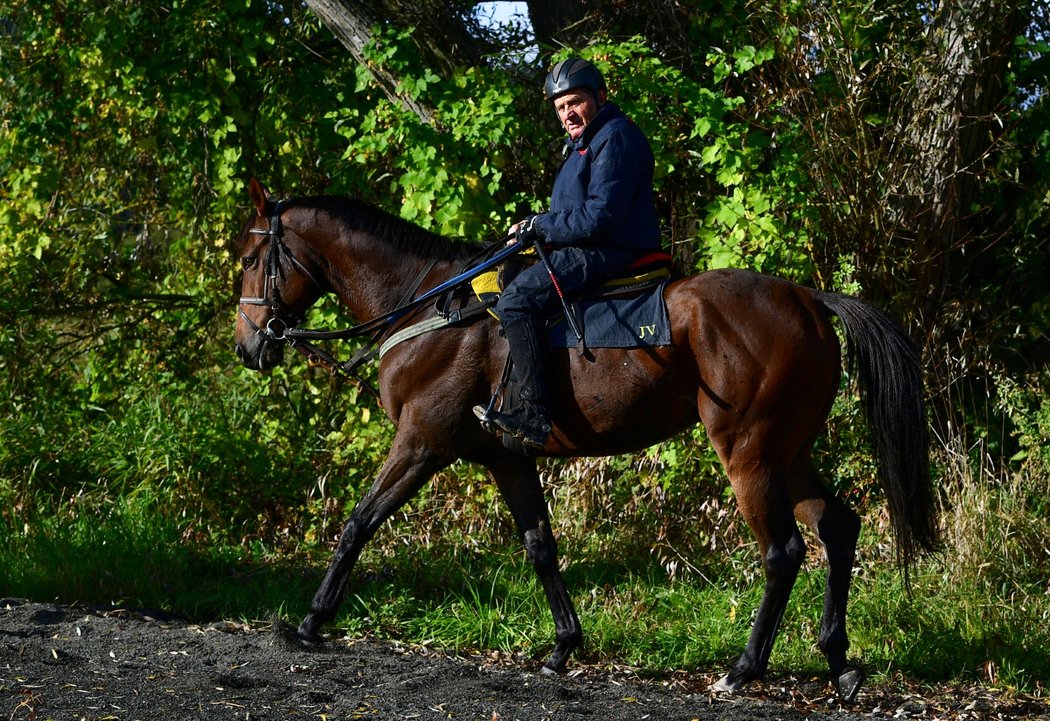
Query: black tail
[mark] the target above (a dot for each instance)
(891, 385)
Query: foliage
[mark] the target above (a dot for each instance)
(1028, 409)
(445, 176)
(731, 205)
(127, 134)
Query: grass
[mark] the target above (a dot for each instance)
(158, 518)
(488, 598)
(130, 555)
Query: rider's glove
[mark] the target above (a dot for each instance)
(527, 230)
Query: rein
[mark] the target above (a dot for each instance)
(278, 329)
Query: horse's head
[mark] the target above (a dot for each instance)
(278, 283)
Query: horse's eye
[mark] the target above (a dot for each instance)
(248, 262)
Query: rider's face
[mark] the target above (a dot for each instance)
(575, 110)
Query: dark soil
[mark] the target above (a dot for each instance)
(62, 662)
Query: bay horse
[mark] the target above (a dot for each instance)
(755, 358)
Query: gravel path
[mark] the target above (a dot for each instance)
(61, 662)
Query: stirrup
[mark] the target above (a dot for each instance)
(519, 424)
(482, 414)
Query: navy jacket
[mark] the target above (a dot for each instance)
(603, 194)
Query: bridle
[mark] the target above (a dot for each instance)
(282, 326)
(277, 327)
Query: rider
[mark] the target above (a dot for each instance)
(601, 219)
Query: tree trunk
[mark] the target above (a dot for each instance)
(947, 131)
(445, 33)
(559, 23)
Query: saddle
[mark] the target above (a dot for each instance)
(647, 272)
(625, 312)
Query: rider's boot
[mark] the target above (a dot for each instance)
(529, 420)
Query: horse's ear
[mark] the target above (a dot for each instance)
(259, 196)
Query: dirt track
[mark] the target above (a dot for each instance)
(58, 662)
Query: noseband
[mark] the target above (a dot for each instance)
(276, 327)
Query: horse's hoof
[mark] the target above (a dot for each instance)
(310, 643)
(554, 667)
(727, 684)
(308, 636)
(848, 684)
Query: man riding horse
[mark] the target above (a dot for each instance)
(601, 219)
(756, 359)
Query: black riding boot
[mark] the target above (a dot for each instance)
(528, 421)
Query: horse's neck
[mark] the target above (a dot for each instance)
(372, 280)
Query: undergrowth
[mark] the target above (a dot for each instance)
(181, 511)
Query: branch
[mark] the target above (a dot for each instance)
(107, 305)
(352, 27)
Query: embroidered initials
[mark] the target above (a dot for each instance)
(646, 330)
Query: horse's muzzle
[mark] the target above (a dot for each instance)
(260, 353)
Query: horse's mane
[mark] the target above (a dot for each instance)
(401, 235)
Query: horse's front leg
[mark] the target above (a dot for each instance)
(519, 483)
(407, 468)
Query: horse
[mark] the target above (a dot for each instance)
(754, 358)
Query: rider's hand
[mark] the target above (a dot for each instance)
(525, 231)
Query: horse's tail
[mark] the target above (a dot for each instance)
(887, 362)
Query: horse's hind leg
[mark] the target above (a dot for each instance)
(519, 484)
(837, 527)
(407, 468)
(763, 500)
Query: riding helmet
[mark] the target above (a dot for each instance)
(572, 74)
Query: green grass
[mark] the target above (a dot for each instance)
(488, 598)
(131, 555)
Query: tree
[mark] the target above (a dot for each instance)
(945, 141)
(903, 111)
(792, 138)
(909, 115)
(445, 33)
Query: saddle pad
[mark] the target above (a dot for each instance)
(634, 322)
